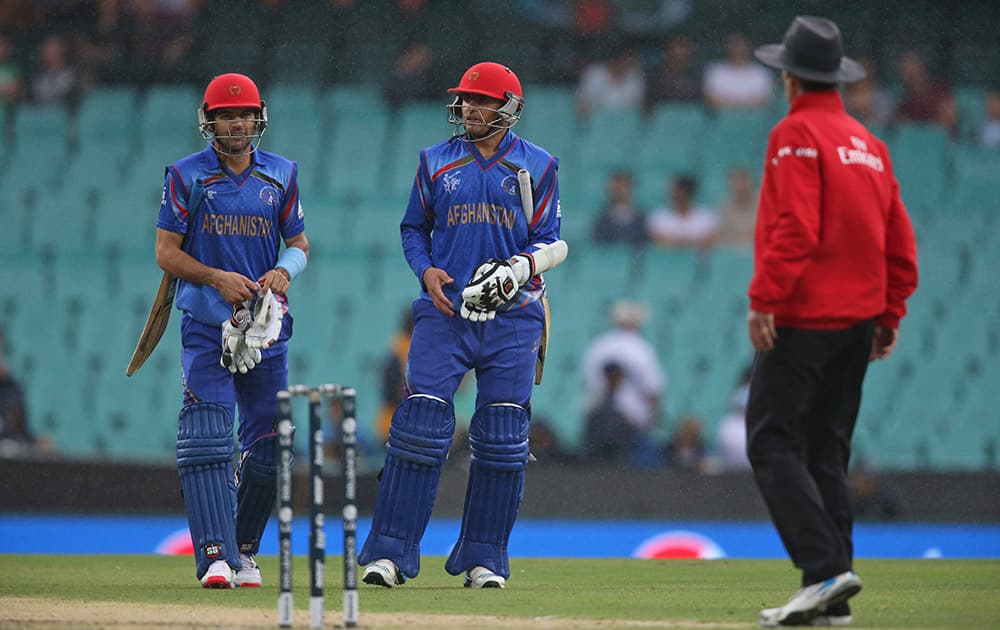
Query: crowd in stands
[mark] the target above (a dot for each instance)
(52, 52)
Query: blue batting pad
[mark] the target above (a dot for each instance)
(498, 436)
(256, 492)
(419, 437)
(205, 464)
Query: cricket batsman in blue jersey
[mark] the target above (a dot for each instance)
(481, 227)
(224, 213)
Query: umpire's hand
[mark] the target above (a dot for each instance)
(760, 327)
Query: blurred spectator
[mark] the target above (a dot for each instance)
(393, 384)
(158, 37)
(988, 133)
(731, 441)
(617, 84)
(638, 393)
(866, 100)
(738, 211)
(683, 224)
(608, 436)
(925, 99)
(16, 438)
(56, 81)
(10, 80)
(621, 221)
(674, 80)
(686, 448)
(871, 500)
(411, 76)
(738, 81)
(544, 444)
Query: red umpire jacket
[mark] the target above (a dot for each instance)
(833, 245)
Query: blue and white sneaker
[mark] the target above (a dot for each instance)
(481, 577)
(807, 607)
(383, 572)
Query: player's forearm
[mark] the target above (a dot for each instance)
(182, 265)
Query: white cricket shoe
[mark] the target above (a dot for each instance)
(383, 572)
(768, 619)
(481, 577)
(807, 605)
(219, 575)
(249, 573)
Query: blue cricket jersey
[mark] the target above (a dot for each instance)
(465, 209)
(241, 221)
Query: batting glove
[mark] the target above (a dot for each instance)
(493, 284)
(266, 326)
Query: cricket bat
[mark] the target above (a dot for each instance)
(163, 303)
(528, 205)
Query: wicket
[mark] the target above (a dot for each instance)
(317, 536)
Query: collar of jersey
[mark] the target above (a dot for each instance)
(502, 150)
(239, 180)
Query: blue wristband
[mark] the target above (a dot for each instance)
(292, 260)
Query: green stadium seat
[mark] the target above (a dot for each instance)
(104, 114)
(920, 153)
(420, 125)
(41, 123)
(354, 102)
(609, 138)
(976, 176)
(549, 119)
(357, 154)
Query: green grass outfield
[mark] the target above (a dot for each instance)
(601, 593)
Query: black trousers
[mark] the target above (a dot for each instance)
(804, 400)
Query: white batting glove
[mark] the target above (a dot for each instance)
(236, 356)
(493, 284)
(473, 313)
(266, 326)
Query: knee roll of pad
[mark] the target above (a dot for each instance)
(498, 437)
(419, 438)
(256, 492)
(204, 463)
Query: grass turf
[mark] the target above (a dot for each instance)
(898, 593)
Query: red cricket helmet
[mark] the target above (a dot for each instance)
(231, 90)
(490, 79)
(495, 81)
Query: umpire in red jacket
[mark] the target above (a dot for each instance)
(834, 262)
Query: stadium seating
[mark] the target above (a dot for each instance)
(80, 193)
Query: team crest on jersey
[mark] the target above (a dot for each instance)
(210, 194)
(269, 195)
(451, 182)
(509, 185)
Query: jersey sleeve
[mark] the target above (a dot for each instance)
(546, 216)
(291, 219)
(790, 213)
(173, 214)
(418, 222)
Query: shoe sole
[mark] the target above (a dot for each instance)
(377, 579)
(249, 585)
(806, 617)
(216, 582)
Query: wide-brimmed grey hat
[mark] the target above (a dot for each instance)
(812, 50)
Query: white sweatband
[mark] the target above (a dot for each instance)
(293, 260)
